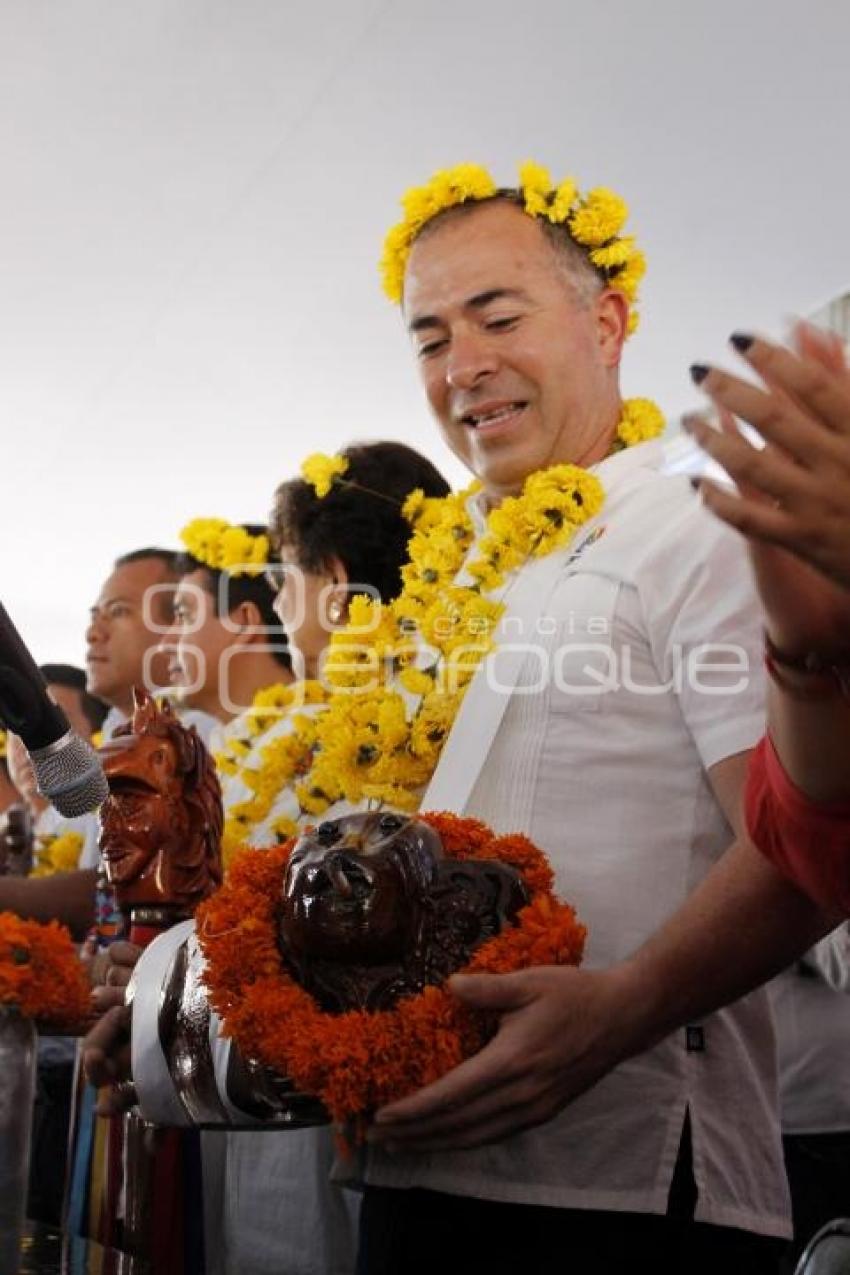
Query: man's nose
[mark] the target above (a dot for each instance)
(96, 631)
(471, 360)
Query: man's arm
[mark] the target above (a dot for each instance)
(562, 1030)
(66, 896)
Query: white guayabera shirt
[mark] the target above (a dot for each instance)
(600, 756)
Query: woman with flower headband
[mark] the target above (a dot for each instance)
(338, 532)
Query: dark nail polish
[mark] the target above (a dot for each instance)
(694, 483)
(699, 371)
(741, 341)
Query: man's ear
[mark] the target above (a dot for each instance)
(247, 619)
(612, 319)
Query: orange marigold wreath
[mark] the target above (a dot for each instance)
(357, 1061)
(41, 974)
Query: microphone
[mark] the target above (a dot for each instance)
(67, 769)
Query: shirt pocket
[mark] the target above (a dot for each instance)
(583, 669)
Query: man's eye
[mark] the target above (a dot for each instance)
(503, 323)
(430, 347)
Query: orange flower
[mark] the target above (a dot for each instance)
(41, 974)
(358, 1061)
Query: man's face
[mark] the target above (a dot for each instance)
(519, 372)
(118, 636)
(196, 644)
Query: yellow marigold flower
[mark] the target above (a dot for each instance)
(394, 261)
(392, 721)
(411, 604)
(641, 420)
(312, 799)
(536, 186)
(222, 546)
(600, 217)
(96, 741)
(432, 724)
(628, 279)
(416, 681)
(241, 553)
(284, 828)
(561, 206)
(271, 701)
(392, 795)
(614, 254)
(369, 620)
(488, 577)
(58, 854)
(320, 471)
(413, 506)
(225, 764)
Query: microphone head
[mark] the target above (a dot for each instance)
(69, 775)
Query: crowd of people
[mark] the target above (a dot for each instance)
(662, 704)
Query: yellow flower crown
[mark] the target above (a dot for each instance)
(223, 546)
(594, 221)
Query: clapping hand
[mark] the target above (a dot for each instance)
(793, 500)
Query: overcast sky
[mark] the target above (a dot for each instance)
(195, 193)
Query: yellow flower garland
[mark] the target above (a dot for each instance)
(400, 672)
(268, 767)
(397, 674)
(595, 221)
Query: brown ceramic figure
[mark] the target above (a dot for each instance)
(161, 823)
(371, 910)
(160, 840)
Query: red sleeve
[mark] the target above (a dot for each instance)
(808, 841)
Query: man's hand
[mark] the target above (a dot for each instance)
(793, 503)
(561, 1030)
(106, 1061)
(111, 972)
